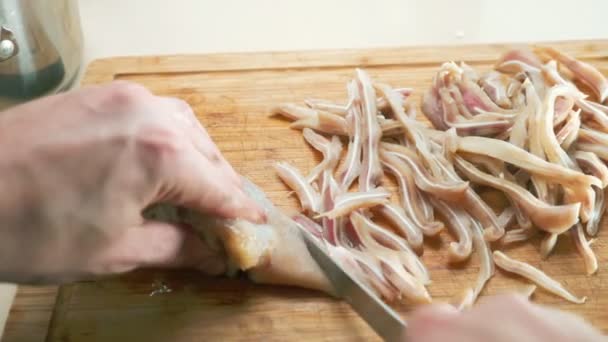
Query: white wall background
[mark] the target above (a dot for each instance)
(129, 27)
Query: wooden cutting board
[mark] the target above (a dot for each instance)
(231, 94)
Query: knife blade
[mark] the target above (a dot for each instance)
(380, 317)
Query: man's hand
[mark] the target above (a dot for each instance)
(503, 318)
(77, 169)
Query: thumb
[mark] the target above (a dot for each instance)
(158, 244)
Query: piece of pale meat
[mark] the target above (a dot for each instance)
(271, 253)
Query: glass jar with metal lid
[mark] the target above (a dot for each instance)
(40, 48)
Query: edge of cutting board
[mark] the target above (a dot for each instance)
(105, 69)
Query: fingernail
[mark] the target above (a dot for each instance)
(244, 207)
(258, 215)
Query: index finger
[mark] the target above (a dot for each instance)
(200, 137)
(191, 180)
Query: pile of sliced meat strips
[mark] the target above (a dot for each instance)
(534, 129)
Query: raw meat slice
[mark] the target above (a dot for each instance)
(271, 253)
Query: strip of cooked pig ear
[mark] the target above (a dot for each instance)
(459, 223)
(416, 135)
(507, 216)
(495, 85)
(328, 106)
(547, 244)
(471, 202)
(593, 224)
(391, 128)
(516, 67)
(331, 150)
(371, 169)
(350, 168)
(553, 77)
(456, 95)
(584, 72)
(599, 150)
(486, 268)
(584, 249)
(402, 93)
(594, 115)
(412, 202)
(549, 142)
(485, 124)
(465, 300)
(517, 235)
(591, 164)
(522, 178)
(348, 202)
(456, 100)
(510, 154)
(535, 146)
(378, 239)
(406, 278)
(450, 191)
(523, 55)
(454, 115)
(319, 120)
(519, 131)
(403, 224)
(468, 72)
(484, 253)
(293, 111)
(568, 133)
(309, 197)
(555, 154)
(588, 135)
(342, 109)
(562, 107)
(323, 122)
(476, 99)
(600, 113)
(329, 190)
(308, 225)
(433, 108)
(493, 166)
(497, 168)
(552, 218)
(535, 275)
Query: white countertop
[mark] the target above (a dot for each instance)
(144, 27)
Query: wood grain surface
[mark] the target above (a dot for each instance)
(231, 95)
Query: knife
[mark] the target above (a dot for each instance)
(380, 317)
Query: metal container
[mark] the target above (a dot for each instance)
(40, 48)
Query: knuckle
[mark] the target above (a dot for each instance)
(181, 107)
(160, 145)
(125, 94)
